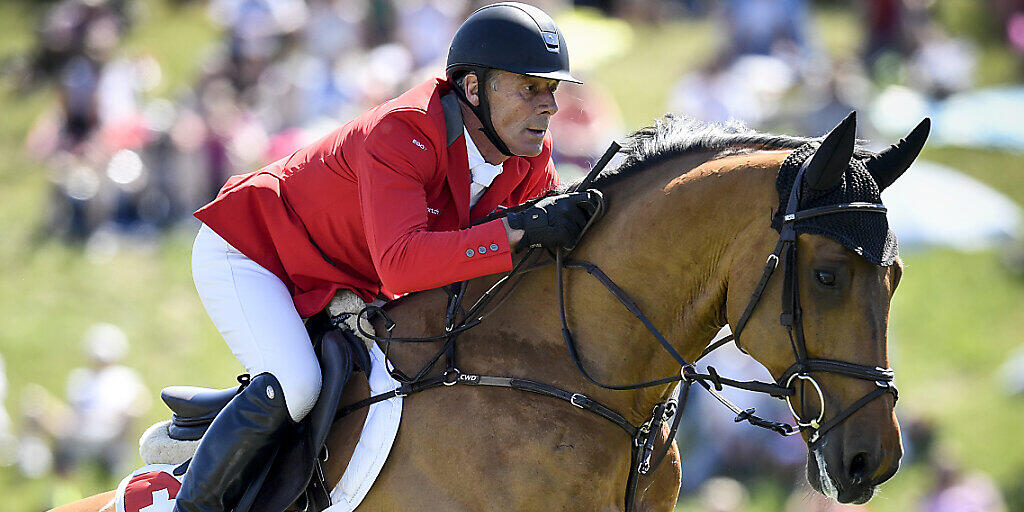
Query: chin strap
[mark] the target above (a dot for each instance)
(483, 113)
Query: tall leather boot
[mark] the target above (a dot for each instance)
(236, 443)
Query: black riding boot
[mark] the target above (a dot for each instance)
(237, 442)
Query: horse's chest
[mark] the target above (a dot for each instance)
(487, 449)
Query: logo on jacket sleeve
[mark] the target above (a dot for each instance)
(419, 144)
(434, 211)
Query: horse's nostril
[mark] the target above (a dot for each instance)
(859, 468)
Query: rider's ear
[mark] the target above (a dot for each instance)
(892, 162)
(829, 162)
(472, 89)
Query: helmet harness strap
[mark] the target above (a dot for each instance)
(483, 110)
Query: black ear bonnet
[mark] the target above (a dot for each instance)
(865, 233)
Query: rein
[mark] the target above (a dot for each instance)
(644, 459)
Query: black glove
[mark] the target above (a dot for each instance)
(554, 222)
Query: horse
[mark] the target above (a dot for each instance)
(692, 212)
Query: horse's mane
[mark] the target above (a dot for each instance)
(675, 135)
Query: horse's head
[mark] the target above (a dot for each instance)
(834, 278)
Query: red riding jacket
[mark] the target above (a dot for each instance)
(379, 206)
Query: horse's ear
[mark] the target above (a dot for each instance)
(893, 161)
(829, 162)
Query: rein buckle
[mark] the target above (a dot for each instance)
(577, 400)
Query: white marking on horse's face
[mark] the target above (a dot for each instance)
(827, 487)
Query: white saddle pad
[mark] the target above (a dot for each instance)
(375, 441)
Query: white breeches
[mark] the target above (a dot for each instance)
(255, 314)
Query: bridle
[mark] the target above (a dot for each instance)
(644, 458)
(792, 319)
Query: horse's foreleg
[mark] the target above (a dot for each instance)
(661, 489)
(98, 503)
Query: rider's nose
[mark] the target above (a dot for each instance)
(549, 106)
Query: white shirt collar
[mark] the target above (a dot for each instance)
(482, 172)
(475, 158)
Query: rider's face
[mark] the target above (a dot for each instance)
(521, 108)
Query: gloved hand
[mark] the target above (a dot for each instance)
(554, 222)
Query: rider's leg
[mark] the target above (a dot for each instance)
(254, 312)
(235, 445)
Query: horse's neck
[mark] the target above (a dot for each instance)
(666, 242)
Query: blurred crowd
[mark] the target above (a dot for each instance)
(124, 161)
(802, 89)
(128, 163)
(91, 428)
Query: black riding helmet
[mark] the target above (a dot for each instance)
(512, 37)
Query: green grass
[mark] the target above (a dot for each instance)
(954, 320)
(1001, 170)
(175, 37)
(642, 88)
(50, 293)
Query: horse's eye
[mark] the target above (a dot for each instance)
(825, 277)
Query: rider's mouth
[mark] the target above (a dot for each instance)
(536, 133)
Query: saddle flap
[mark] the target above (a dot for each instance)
(196, 403)
(295, 463)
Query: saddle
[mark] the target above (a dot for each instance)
(295, 469)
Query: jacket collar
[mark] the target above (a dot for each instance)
(458, 161)
(452, 116)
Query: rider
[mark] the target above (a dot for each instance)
(381, 206)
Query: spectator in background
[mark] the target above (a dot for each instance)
(1012, 373)
(1011, 15)
(956, 491)
(709, 94)
(748, 89)
(942, 65)
(425, 28)
(589, 120)
(97, 113)
(723, 494)
(760, 27)
(904, 43)
(75, 41)
(105, 399)
(8, 444)
(255, 31)
(885, 30)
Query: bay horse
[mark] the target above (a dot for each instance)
(688, 226)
